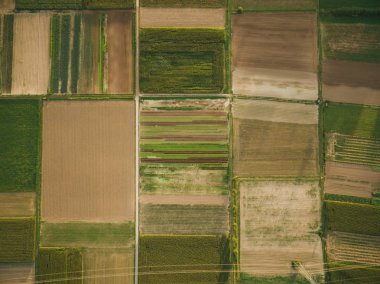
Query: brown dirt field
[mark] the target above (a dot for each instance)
(351, 82)
(7, 4)
(31, 59)
(347, 247)
(104, 266)
(277, 221)
(184, 199)
(266, 47)
(120, 52)
(16, 273)
(182, 17)
(88, 161)
(349, 179)
(17, 204)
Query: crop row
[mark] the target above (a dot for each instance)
(74, 4)
(184, 3)
(6, 54)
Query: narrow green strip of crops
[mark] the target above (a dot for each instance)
(184, 3)
(75, 54)
(6, 53)
(65, 52)
(55, 53)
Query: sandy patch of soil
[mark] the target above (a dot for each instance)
(17, 204)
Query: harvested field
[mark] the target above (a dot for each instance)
(275, 5)
(184, 3)
(288, 144)
(279, 221)
(182, 17)
(17, 273)
(351, 82)
(354, 248)
(184, 146)
(7, 5)
(120, 52)
(88, 161)
(275, 55)
(184, 199)
(17, 204)
(30, 72)
(103, 266)
(349, 179)
(6, 55)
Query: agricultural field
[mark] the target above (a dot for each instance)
(15, 273)
(17, 239)
(347, 6)
(7, 5)
(194, 255)
(274, 5)
(17, 204)
(31, 63)
(279, 222)
(270, 60)
(184, 146)
(184, 3)
(73, 4)
(340, 272)
(91, 53)
(351, 82)
(182, 17)
(275, 139)
(19, 144)
(6, 47)
(88, 161)
(182, 60)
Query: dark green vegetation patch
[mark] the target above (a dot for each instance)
(19, 144)
(296, 279)
(183, 60)
(183, 259)
(356, 120)
(350, 7)
(353, 217)
(17, 239)
(274, 5)
(73, 4)
(351, 274)
(55, 264)
(184, 3)
(6, 52)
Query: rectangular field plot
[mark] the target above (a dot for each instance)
(275, 139)
(73, 4)
(354, 5)
(17, 239)
(351, 82)
(6, 47)
(184, 146)
(160, 256)
(19, 144)
(16, 273)
(356, 274)
(91, 53)
(182, 60)
(17, 204)
(88, 161)
(184, 3)
(275, 55)
(275, 5)
(279, 221)
(7, 5)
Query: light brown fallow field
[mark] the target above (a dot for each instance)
(17, 204)
(88, 161)
(17, 273)
(7, 4)
(31, 59)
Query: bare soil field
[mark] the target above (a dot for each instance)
(278, 5)
(31, 59)
(88, 163)
(350, 179)
(17, 273)
(288, 143)
(17, 204)
(184, 199)
(275, 55)
(279, 221)
(351, 82)
(7, 4)
(103, 266)
(120, 52)
(182, 17)
(356, 248)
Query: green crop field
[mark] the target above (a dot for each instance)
(17, 239)
(343, 273)
(353, 217)
(356, 120)
(183, 60)
(296, 279)
(184, 146)
(345, 5)
(6, 52)
(60, 265)
(184, 3)
(275, 5)
(73, 4)
(87, 234)
(183, 253)
(19, 144)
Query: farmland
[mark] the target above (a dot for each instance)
(19, 144)
(6, 47)
(17, 204)
(275, 5)
(279, 221)
(184, 146)
(17, 239)
(73, 4)
(30, 71)
(296, 155)
(94, 144)
(192, 255)
(184, 3)
(182, 17)
(15, 273)
(347, 5)
(353, 217)
(351, 82)
(182, 60)
(355, 274)
(7, 5)
(281, 65)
